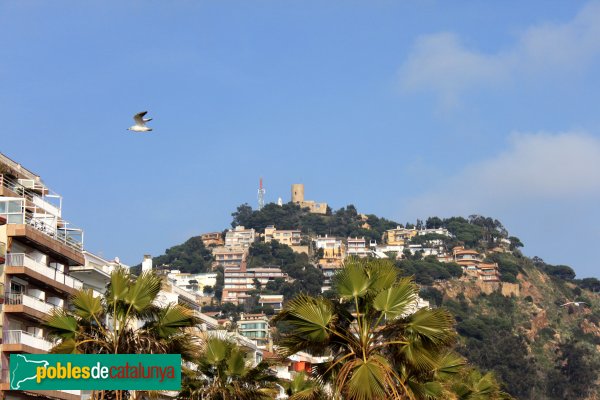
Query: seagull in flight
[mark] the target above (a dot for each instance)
(140, 123)
(575, 303)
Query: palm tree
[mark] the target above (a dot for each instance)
(470, 384)
(222, 372)
(380, 345)
(126, 321)
(303, 387)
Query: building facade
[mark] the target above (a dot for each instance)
(399, 236)
(230, 257)
(40, 249)
(290, 237)
(239, 237)
(256, 328)
(237, 283)
(333, 248)
(357, 247)
(473, 265)
(212, 239)
(194, 283)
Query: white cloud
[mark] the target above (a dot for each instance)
(542, 167)
(443, 64)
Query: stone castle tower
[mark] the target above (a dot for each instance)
(298, 193)
(298, 198)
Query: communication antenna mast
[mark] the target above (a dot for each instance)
(261, 195)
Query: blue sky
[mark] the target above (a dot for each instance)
(405, 109)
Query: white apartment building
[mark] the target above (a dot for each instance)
(256, 328)
(357, 247)
(238, 283)
(437, 231)
(273, 300)
(240, 237)
(38, 249)
(194, 283)
(95, 273)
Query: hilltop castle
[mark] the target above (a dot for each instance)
(298, 198)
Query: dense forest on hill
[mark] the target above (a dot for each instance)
(538, 347)
(344, 222)
(190, 256)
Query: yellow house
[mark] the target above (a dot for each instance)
(290, 237)
(399, 236)
(333, 248)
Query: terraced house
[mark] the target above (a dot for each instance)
(38, 248)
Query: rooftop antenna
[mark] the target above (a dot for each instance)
(261, 196)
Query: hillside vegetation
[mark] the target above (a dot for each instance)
(517, 328)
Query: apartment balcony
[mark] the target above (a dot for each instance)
(27, 268)
(24, 342)
(100, 270)
(27, 305)
(56, 243)
(31, 190)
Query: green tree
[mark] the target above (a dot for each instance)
(208, 290)
(109, 324)
(515, 242)
(191, 256)
(576, 372)
(223, 373)
(381, 347)
(470, 384)
(303, 387)
(242, 216)
(434, 222)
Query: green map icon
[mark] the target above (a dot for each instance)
(23, 369)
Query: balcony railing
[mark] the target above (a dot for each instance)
(23, 260)
(27, 339)
(49, 225)
(41, 213)
(29, 301)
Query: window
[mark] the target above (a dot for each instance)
(13, 209)
(16, 287)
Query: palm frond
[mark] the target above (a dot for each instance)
(352, 281)
(434, 325)
(382, 274)
(61, 325)
(396, 300)
(86, 305)
(143, 291)
(309, 317)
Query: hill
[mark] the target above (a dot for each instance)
(517, 327)
(538, 348)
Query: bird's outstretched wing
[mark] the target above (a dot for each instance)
(139, 118)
